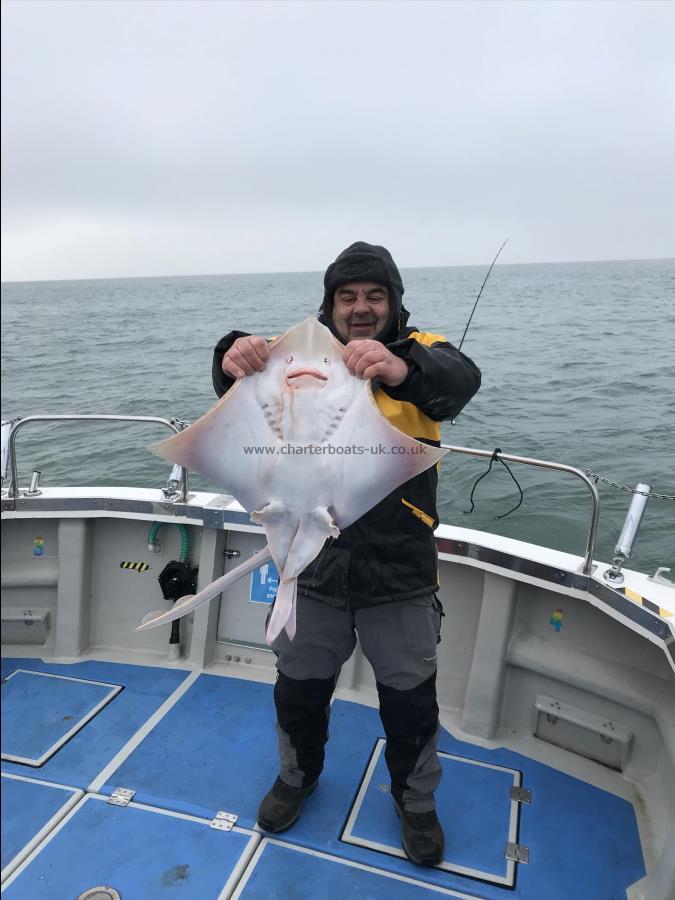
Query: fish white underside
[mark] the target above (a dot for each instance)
(300, 499)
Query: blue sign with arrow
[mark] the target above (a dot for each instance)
(264, 584)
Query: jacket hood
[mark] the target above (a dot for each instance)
(366, 262)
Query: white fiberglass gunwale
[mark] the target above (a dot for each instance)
(519, 560)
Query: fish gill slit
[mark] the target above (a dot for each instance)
(337, 418)
(272, 419)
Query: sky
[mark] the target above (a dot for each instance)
(202, 137)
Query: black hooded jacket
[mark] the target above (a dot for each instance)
(389, 554)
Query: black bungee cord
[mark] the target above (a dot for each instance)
(494, 457)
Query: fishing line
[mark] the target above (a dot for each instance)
(497, 450)
(320, 557)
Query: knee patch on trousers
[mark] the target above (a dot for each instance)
(301, 708)
(409, 713)
(410, 720)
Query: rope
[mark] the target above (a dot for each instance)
(492, 460)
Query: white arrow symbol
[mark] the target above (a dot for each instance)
(263, 573)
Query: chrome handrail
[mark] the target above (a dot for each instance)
(13, 491)
(176, 427)
(558, 467)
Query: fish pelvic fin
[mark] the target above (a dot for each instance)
(313, 531)
(283, 612)
(280, 525)
(311, 535)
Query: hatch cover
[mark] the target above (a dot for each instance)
(137, 850)
(42, 711)
(474, 806)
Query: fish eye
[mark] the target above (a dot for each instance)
(326, 360)
(289, 359)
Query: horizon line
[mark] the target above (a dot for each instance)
(319, 271)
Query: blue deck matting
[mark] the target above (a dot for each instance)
(41, 711)
(216, 749)
(280, 872)
(86, 753)
(27, 807)
(143, 854)
(474, 806)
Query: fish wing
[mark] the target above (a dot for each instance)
(299, 501)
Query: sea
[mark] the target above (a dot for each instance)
(578, 363)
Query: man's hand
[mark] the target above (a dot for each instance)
(371, 359)
(247, 355)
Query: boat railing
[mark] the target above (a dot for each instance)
(556, 467)
(177, 484)
(177, 488)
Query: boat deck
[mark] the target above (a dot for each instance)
(191, 745)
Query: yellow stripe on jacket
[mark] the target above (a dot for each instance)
(406, 416)
(420, 514)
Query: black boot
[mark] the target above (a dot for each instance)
(423, 839)
(282, 805)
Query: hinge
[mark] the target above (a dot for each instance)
(121, 797)
(517, 853)
(224, 821)
(520, 794)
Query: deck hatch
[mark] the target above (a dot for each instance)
(30, 810)
(143, 852)
(41, 712)
(475, 807)
(282, 870)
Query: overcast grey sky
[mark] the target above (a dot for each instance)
(166, 138)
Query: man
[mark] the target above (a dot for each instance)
(380, 576)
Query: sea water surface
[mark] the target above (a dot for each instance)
(577, 359)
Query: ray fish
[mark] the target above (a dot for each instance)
(305, 450)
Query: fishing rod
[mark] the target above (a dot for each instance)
(497, 451)
(481, 291)
(452, 421)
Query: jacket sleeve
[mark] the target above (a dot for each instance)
(441, 379)
(221, 381)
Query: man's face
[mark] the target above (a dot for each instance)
(360, 310)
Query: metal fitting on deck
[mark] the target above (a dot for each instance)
(172, 486)
(631, 525)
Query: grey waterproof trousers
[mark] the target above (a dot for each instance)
(400, 641)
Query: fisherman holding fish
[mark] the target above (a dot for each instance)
(379, 576)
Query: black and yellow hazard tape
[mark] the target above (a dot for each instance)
(136, 566)
(648, 604)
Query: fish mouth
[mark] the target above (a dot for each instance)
(305, 378)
